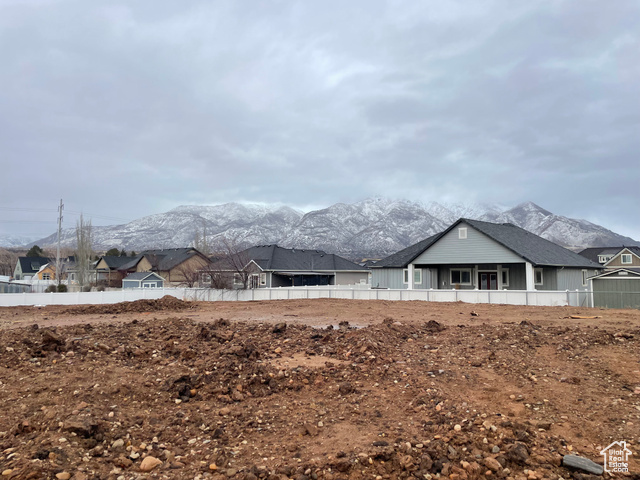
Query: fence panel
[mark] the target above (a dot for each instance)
(510, 297)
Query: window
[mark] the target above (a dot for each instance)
(604, 258)
(538, 278)
(405, 275)
(462, 233)
(626, 258)
(237, 279)
(505, 278)
(46, 276)
(461, 276)
(417, 276)
(584, 278)
(263, 279)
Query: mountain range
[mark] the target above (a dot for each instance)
(374, 227)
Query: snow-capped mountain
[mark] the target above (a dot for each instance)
(14, 241)
(374, 227)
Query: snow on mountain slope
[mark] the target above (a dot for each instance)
(373, 227)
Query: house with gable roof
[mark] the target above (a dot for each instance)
(472, 254)
(269, 266)
(174, 265)
(28, 267)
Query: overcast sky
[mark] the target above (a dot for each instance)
(128, 108)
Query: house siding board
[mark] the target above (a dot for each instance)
(616, 262)
(476, 248)
(616, 293)
(517, 276)
(387, 278)
(571, 279)
(350, 278)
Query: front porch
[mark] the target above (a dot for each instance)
(512, 276)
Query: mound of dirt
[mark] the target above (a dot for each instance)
(247, 401)
(139, 306)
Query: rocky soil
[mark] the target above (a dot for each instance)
(266, 390)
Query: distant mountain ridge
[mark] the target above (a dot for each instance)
(374, 227)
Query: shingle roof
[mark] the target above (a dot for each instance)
(402, 258)
(273, 257)
(32, 264)
(163, 260)
(530, 247)
(593, 252)
(115, 262)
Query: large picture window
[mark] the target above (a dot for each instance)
(461, 276)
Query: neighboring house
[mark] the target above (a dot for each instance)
(177, 266)
(46, 272)
(617, 288)
(28, 267)
(143, 280)
(614, 257)
(271, 266)
(108, 270)
(471, 254)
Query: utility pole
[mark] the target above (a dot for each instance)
(58, 272)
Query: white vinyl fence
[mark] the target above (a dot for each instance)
(580, 298)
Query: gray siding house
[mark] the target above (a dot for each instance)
(272, 266)
(471, 254)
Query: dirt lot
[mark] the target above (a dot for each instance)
(314, 389)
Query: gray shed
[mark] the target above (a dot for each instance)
(618, 288)
(143, 280)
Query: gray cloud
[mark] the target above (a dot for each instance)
(130, 108)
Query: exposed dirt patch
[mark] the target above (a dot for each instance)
(248, 391)
(166, 303)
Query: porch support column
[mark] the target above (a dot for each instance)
(410, 273)
(499, 279)
(529, 276)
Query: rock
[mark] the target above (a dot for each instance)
(518, 454)
(495, 449)
(7, 472)
(457, 428)
(580, 463)
(433, 326)
(149, 463)
(492, 464)
(279, 327)
(51, 338)
(85, 427)
(346, 388)
(63, 476)
(119, 443)
(311, 429)
(380, 443)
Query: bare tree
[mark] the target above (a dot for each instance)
(230, 269)
(8, 260)
(191, 271)
(83, 251)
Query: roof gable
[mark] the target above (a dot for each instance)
(523, 244)
(634, 251)
(32, 264)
